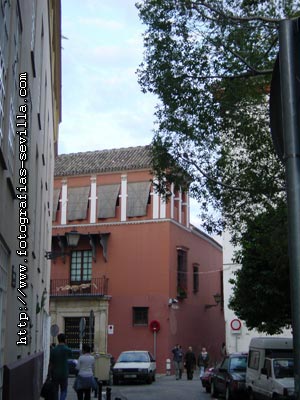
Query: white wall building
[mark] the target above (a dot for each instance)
(30, 112)
(237, 335)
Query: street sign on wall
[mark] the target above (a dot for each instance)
(110, 329)
(236, 326)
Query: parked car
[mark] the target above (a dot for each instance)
(206, 378)
(270, 370)
(229, 378)
(134, 366)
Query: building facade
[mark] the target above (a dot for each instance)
(30, 82)
(138, 273)
(238, 336)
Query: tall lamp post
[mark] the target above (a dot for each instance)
(287, 144)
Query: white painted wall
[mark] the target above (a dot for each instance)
(235, 341)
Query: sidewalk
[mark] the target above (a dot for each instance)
(72, 394)
(115, 390)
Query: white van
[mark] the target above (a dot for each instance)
(270, 369)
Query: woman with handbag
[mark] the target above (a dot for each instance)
(85, 380)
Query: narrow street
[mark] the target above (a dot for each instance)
(165, 388)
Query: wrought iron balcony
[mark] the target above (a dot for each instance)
(64, 287)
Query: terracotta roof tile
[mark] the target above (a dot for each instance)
(123, 159)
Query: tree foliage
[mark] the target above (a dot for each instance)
(261, 287)
(210, 65)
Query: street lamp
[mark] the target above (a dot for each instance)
(218, 299)
(72, 239)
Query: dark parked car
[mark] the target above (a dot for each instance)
(229, 377)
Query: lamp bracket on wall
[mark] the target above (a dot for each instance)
(218, 300)
(172, 301)
(71, 239)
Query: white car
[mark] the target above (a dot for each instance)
(276, 380)
(135, 365)
(270, 368)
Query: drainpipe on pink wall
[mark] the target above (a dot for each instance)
(187, 210)
(123, 197)
(180, 207)
(162, 207)
(64, 199)
(172, 200)
(155, 197)
(93, 199)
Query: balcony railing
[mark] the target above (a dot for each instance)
(64, 287)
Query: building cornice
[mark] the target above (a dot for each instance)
(193, 230)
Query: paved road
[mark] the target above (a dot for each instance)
(165, 388)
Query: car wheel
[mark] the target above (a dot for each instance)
(149, 379)
(213, 390)
(153, 377)
(251, 395)
(227, 393)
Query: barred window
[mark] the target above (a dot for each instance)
(195, 278)
(4, 29)
(140, 316)
(81, 266)
(14, 90)
(181, 273)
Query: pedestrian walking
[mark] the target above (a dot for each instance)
(190, 363)
(223, 350)
(58, 367)
(85, 380)
(178, 361)
(203, 360)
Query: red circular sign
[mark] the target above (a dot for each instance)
(154, 326)
(236, 324)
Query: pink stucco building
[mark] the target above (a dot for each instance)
(138, 263)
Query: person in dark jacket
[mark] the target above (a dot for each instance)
(178, 361)
(203, 360)
(190, 363)
(59, 367)
(223, 350)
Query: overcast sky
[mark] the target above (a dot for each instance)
(103, 106)
(102, 103)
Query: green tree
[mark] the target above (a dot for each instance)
(261, 287)
(210, 65)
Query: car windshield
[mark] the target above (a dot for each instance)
(133, 357)
(283, 368)
(238, 363)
